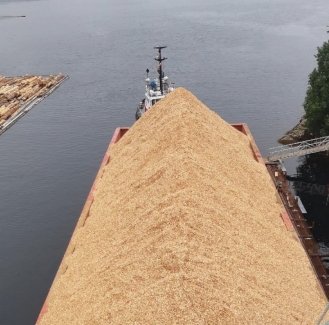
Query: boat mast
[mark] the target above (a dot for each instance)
(160, 59)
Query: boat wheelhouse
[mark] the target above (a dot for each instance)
(157, 88)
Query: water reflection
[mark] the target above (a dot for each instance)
(311, 185)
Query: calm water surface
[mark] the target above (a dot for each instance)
(247, 60)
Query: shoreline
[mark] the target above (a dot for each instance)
(296, 134)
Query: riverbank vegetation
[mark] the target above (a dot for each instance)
(316, 104)
(315, 122)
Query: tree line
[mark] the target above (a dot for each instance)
(316, 104)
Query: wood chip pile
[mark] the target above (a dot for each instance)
(184, 229)
(17, 91)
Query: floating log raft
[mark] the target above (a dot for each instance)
(19, 94)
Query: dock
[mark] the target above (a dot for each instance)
(18, 95)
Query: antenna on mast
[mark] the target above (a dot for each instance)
(160, 59)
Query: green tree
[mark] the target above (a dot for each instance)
(316, 104)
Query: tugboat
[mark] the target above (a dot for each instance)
(157, 88)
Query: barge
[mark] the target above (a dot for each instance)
(240, 272)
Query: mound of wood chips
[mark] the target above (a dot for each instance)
(184, 229)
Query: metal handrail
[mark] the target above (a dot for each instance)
(299, 148)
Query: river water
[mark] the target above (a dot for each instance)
(247, 60)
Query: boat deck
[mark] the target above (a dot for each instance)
(295, 221)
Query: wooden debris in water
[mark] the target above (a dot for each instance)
(18, 91)
(184, 229)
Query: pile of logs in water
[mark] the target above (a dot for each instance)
(17, 92)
